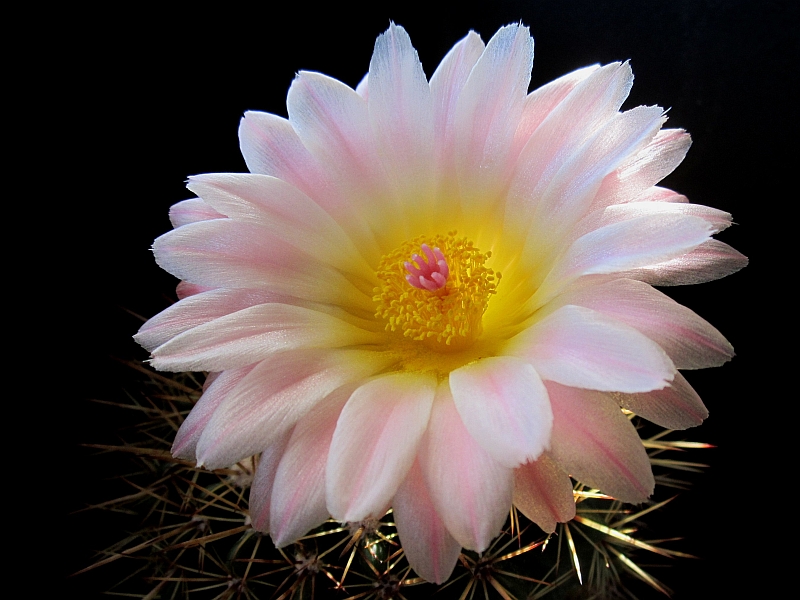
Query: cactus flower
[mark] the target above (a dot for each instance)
(435, 295)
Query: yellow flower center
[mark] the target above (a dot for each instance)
(438, 304)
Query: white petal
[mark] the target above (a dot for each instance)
(470, 490)
(595, 443)
(503, 404)
(677, 406)
(253, 334)
(689, 341)
(543, 492)
(580, 347)
(431, 551)
(271, 399)
(375, 442)
(298, 497)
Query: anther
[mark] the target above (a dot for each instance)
(429, 273)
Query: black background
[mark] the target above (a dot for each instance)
(155, 96)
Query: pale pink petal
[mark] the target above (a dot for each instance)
(197, 309)
(284, 212)
(677, 406)
(471, 491)
(192, 211)
(657, 160)
(431, 551)
(401, 113)
(263, 482)
(298, 497)
(446, 85)
(690, 341)
(565, 200)
(503, 404)
(675, 204)
(215, 390)
(184, 289)
(543, 492)
(639, 242)
(487, 113)
(580, 347)
(226, 253)
(273, 396)
(540, 103)
(660, 194)
(362, 89)
(271, 146)
(374, 444)
(253, 334)
(333, 122)
(565, 129)
(595, 443)
(709, 261)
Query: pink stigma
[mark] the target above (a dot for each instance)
(428, 275)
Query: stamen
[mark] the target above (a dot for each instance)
(430, 274)
(432, 299)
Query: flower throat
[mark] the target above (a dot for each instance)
(435, 289)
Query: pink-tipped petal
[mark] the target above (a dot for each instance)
(214, 394)
(595, 443)
(470, 490)
(690, 341)
(298, 497)
(543, 492)
(583, 348)
(677, 406)
(375, 442)
(503, 404)
(263, 482)
(253, 334)
(274, 396)
(431, 551)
